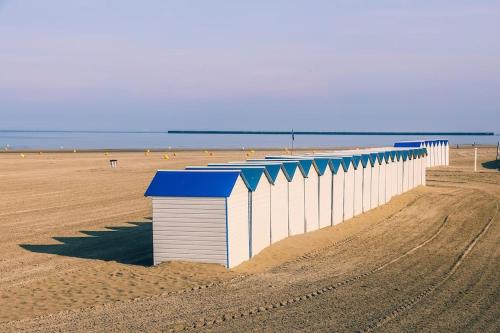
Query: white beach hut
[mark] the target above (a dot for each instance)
(311, 188)
(358, 185)
(381, 178)
(423, 168)
(339, 169)
(406, 170)
(324, 168)
(446, 152)
(349, 187)
(280, 205)
(388, 175)
(377, 161)
(367, 164)
(200, 216)
(259, 184)
(399, 172)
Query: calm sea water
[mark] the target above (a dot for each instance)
(71, 140)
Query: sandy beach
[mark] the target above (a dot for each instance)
(76, 254)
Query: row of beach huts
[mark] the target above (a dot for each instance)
(226, 213)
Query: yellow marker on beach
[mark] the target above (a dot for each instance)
(106, 154)
(252, 151)
(22, 155)
(165, 157)
(206, 152)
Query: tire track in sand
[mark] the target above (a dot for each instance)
(208, 322)
(409, 303)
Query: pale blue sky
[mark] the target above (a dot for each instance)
(311, 65)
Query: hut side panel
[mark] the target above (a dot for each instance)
(261, 217)
(325, 199)
(237, 225)
(279, 209)
(191, 229)
(296, 206)
(367, 180)
(338, 197)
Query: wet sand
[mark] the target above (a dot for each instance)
(75, 254)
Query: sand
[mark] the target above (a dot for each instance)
(75, 254)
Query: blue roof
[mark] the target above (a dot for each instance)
(305, 163)
(181, 183)
(415, 144)
(272, 169)
(393, 155)
(365, 158)
(398, 154)
(250, 175)
(347, 161)
(355, 161)
(321, 164)
(380, 157)
(336, 164)
(387, 156)
(373, 158)
(404, 154)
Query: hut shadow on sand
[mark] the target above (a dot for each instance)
(495, 164)
(127, 245)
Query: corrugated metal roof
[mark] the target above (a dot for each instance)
(182, 183)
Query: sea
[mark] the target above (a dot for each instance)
(68, 140)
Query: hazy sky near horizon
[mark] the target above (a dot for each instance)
(308, 65)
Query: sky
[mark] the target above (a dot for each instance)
(250, 65)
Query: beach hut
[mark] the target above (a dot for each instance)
(200, 216)
(280, 199)
(367, 163)
(324, 168)
(349, 187)
(446, 152)
(338, 175)
(375, 179)
(381, 178)
(259, 183)
(311, 186)
(417, 172)
(411, 168)
(358, 185)
(388, 176)
(399, 172)
(406, 170)
(423, 164)
(394, 173)
(296, 195)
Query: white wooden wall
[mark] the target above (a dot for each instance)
(406, 172)
(411, 170)
(238, 225)
(325, 199)
(358, 190)
(338, 197)
(399, 167)
(296, 208)
(367, 181)
(388, 181)
(279, 209)
(381, 183)
(375, 185)
(447, 154)
(311, 203)
(423, 170)
(261, 216)
(190, 229)
(349, 194)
